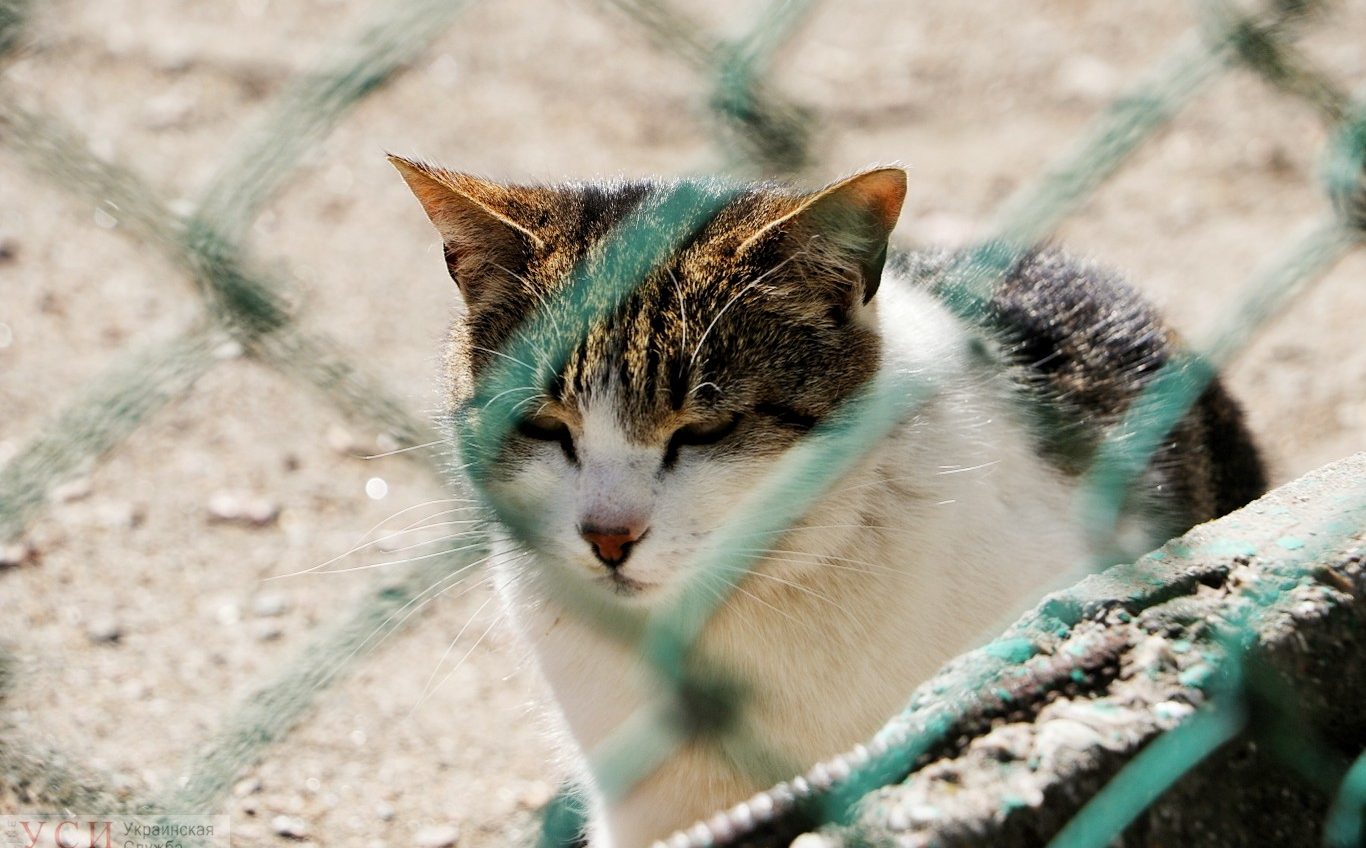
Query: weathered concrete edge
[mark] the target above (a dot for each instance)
(1276, 564)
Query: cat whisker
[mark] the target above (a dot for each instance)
(950, 469)
(414, 526)
(413, 606)
(735, 586)
(748, 570)
(427, 687)
(799, 527)
(461, 661)
(806, 590)
(528, 367)
(404, 449)
(836, 566)
(682, 309)
(828, 559)
(881, 480)
(722, 589)
(406, 510)
(541, 396)
(434, 591)
(372, 565)
(722, 311)
(532, 289)
(489, 403)
(896, 478)
(448, 537)
(756, 281)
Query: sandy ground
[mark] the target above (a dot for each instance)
(975, 96)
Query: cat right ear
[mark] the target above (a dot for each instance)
(482, 240)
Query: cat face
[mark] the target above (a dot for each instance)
(651, 409)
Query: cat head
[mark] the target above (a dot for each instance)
(642, 414)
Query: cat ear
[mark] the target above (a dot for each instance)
(845, 227)
(481, 239)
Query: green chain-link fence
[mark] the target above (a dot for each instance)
(760, 133)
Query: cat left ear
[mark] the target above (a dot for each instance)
(482, 241)
(846, 226)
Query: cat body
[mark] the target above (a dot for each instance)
(942, 532)
(657, 428)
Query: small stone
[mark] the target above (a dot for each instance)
(124, 785)
(104, 631)
(385, 812)
(341, 441)
(440, 836)
(134, 690)
(228, 613)
(289, 827)
(269, 605)
(238, 508)
(75, 489)
(267, 631)
(118, 515)
(1088, 78)
(231, 349)
(171, 56)
(167, 111)
(247, 786)
(17, 554)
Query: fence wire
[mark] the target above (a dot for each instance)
(760, 131)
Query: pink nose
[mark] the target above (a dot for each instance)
(611, 544)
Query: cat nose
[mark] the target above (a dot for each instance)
(612, 545)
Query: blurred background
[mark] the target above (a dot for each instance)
(135, 606)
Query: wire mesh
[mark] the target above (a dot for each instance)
(761, 132)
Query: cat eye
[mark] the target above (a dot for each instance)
(545, 429)
(700, 433)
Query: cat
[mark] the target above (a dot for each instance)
(751, 334)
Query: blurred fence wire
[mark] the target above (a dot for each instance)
(759, 132)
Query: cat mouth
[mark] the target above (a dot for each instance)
(622, 585)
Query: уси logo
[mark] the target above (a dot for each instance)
(38, 830)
